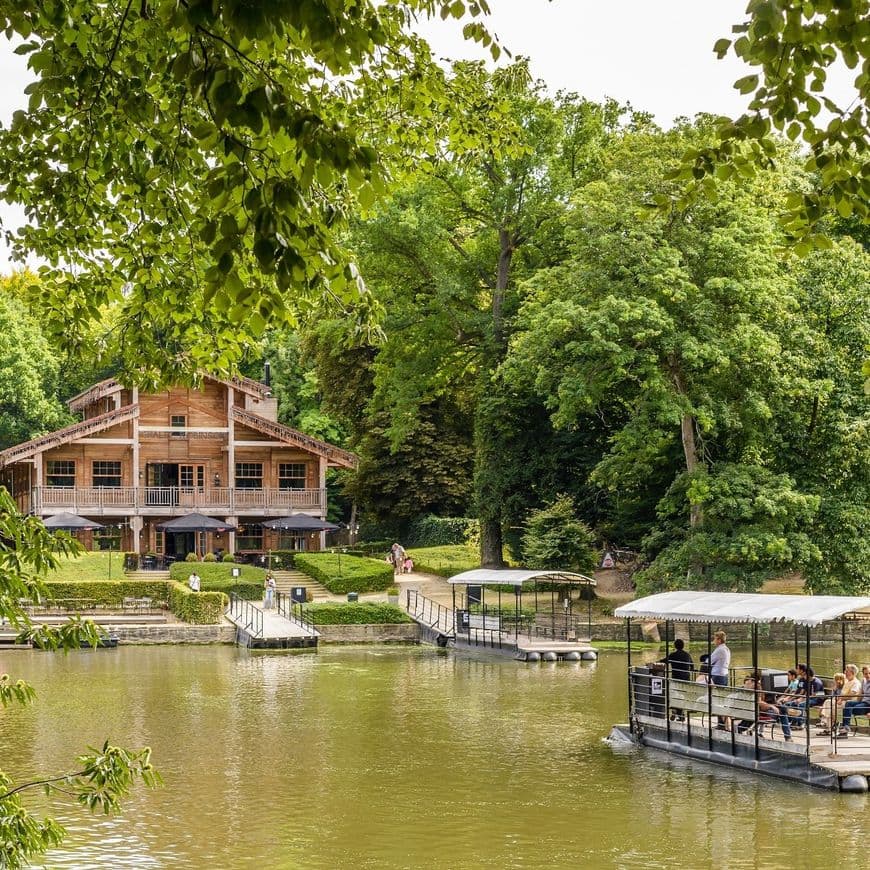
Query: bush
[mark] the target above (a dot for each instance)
(131, 561)
(191, 557)
(209, 557)
(111, 593)
(341, 573)
(371, 548)
(228, 557)
(362, 613)
(197, 608)
(434, 531)
(555, 539)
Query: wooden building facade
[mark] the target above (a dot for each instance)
(136, 460)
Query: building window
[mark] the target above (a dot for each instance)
(107, 474)
(61, 472)
(249, 475)
(291, 475)
(178, 421)
(107, 538)
(160, 542)
(249, 538)
(190, 476)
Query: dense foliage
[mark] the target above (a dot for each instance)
(556, 539)
(432, 531)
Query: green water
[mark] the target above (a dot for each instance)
(399, 757)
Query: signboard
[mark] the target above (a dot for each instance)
(657, 686)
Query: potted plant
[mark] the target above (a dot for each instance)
(393, 595)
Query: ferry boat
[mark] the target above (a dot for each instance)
(739, 724)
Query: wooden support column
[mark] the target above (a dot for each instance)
(321, 482)
(137, 471)
(231, 456)
(36, 505)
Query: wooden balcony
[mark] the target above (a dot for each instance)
(163, 500)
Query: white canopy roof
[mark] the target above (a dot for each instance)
(722, 607)
(516, 577)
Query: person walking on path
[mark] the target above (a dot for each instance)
(397, 557)
(270, 585)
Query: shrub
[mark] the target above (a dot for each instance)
(228, 557)
(434, 531)
(131, 561)
(111, 593)
(191, 557)
(197, 608)
(555, 538)
(341, 573)
(370, 548)
(209, 557)
(362, 613)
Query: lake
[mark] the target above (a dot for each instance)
(400, 757)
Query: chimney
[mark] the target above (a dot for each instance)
(267, 374)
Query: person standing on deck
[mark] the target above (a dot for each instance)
(681, 665)
(720, 662)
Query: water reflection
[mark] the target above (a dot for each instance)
(391, 758)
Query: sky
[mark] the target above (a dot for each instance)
(655, 54)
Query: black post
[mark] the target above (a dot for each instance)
(756, 682)
(668, 679)
(795, 646)
(709, 689)
(482, 611)
(630, 697)
(807, 701)
(518, 605)
(553, 612)
(453, 593)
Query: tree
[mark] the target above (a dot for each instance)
(29, 375)
(100, 777)
(793, 45)
(684, 319)
(189, 163)
(556, 539)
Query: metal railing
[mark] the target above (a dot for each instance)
(430, 612)
(224, 497)
(292, 610)
(740, 710)
(249, 617)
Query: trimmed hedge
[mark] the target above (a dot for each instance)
(111, 593)
(435, 531)
(341, 573)
(199, 608)
(360, 613)
(217, 577)
(283, 560)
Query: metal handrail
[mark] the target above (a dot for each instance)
(249, 615)
(422, 608)
(288, 609)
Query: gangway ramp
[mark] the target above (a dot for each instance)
(278, 627)
(435, 620)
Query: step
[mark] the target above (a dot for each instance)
(286, 580)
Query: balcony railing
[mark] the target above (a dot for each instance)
(82, 499)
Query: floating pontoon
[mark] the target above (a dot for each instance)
(746, 737)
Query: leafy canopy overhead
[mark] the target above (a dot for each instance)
(793, 45)
(190, 162)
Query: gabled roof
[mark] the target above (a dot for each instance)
(335, 455)
(67, 434)
(112, 385)
(722, 607)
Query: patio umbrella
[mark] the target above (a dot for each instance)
(70, 523)
(300, 523)
(195, 523)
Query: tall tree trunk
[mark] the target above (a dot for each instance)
(505, 255)
(491, 544)
(690, 450)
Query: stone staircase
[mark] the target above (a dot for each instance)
(286, 580)
(146, 575)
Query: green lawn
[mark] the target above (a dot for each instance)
(446, 560)
(89, 567)
(341, 573)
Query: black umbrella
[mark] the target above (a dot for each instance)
(300, 523)
(70, 523)
(195, 523)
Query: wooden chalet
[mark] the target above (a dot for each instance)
(136, 460)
